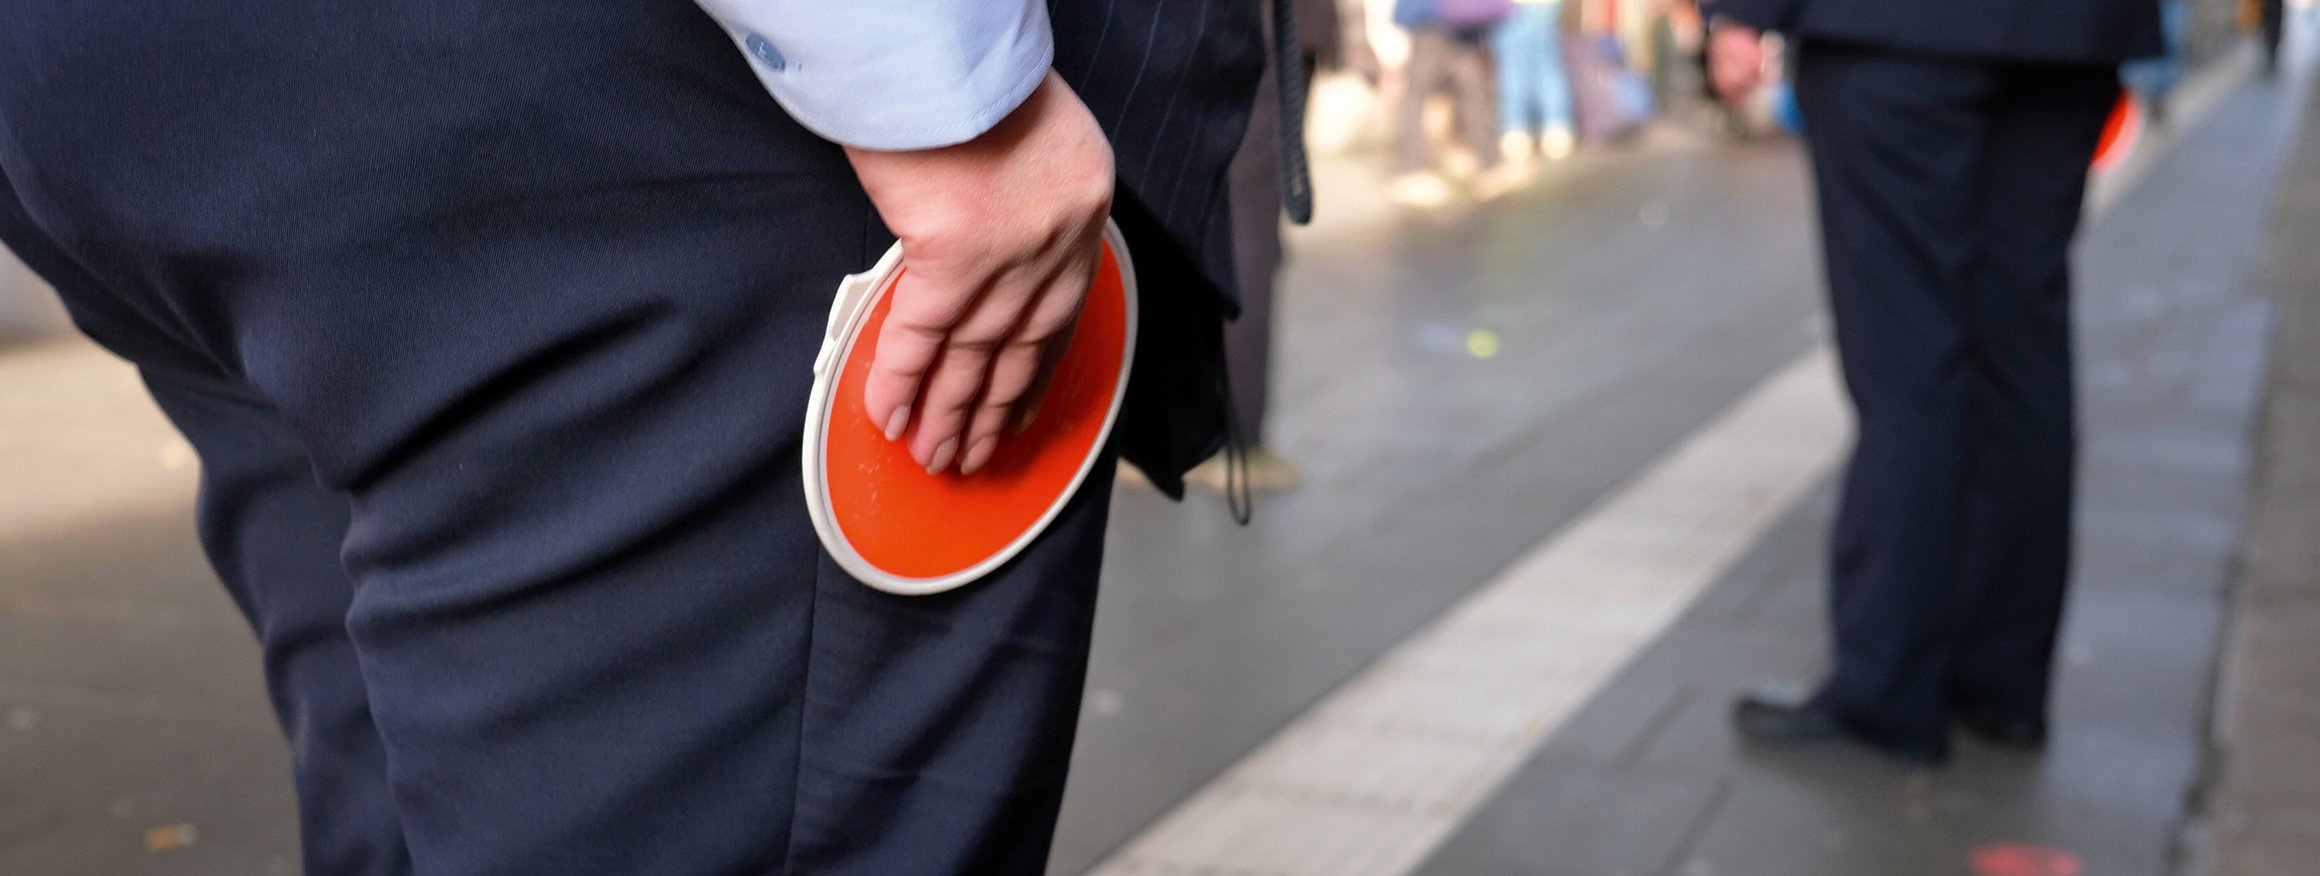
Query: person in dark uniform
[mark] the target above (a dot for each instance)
(1254, 186)
(2271, 25)
(494, 322)
(1950, 144)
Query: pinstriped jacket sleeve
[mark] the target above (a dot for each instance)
(893, 74)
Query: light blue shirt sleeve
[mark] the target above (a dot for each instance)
(893, 74)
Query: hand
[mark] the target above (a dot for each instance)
(1001, 236)
(1735, 60)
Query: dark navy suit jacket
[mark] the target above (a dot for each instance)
(1171, 81)
(2048, 31)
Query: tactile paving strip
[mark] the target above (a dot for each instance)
(1385, 767)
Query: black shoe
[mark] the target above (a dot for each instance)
(2012, 734)
(1775, 720)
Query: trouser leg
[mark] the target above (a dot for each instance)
(273, 534)
(1516, 47)
(2272, 18)
(938, 730)
(1254, 181)
(1554, 76)
(1430, 51)
(1896, 144)
(1469, 78)
(2023, 441)
(599, 631)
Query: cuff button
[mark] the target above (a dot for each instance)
(762, 49)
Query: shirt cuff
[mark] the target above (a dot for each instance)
(893, 74)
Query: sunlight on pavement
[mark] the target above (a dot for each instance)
(101, 450)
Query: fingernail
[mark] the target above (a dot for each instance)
(897, 422)
(979, 455)
(942, 456)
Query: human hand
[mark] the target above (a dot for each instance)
(1735, 60)
(1001, 236)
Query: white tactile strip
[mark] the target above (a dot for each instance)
(1378, 773)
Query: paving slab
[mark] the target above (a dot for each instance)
(2267, 842)
(1579, 819)
(2264, 800)
(130, 702)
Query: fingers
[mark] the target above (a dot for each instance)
(916, 330)
(1027, 411)
(1021, 369)
(1012, 373)
(943, 409)
(958, 378)
(989, 365)
(954, 383)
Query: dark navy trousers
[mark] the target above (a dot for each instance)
(1949, 193)
(493, 325)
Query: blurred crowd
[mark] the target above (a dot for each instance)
(1473, 95)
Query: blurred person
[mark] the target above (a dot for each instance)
(1612, 100)
(1353, 52)
(2271, 27)
(1950, 144)
(494, 324)
(1677, 36)
(1447, 53)
(1254, 187)
(1725, 115)
(1769, 106)
(1534, 92)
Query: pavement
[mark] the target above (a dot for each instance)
(2262, 810)
(1500, 407)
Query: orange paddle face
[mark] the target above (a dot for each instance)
(2120, 132)
(911, 525)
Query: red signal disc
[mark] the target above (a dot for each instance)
(898, 528)
(2120, 132)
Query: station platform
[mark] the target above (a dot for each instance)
(1568, 460)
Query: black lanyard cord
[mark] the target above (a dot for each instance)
(1289, 76)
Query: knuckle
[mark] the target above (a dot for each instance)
(928, 312)
(893, 364)
(978, 344)
(945, 409)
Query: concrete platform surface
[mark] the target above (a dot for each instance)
(2263, 810)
